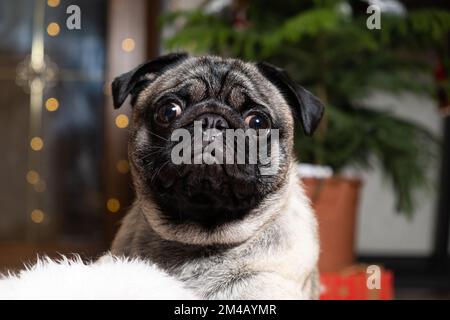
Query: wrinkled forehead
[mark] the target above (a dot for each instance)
(228, 80)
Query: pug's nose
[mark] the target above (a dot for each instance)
(213, 121)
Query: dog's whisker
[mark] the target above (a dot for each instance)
(146, 156)
(158, 171)
(137, 153)
(158, 136)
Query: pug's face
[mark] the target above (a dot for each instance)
(204, 95)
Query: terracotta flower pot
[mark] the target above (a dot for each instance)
(335, 201)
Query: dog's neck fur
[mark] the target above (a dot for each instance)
(145, 217)
(282, 243)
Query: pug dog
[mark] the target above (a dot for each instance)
(226, 230)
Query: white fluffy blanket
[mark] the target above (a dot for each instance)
(108, 278)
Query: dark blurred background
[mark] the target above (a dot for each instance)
(380, 162)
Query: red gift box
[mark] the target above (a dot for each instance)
(352, 284)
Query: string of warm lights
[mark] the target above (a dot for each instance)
(37, 87)
(52, 104)
(113, 205)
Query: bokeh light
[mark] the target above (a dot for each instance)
(53, 3)
(113, 205)
(52, 104)
(37, 144)
(128, 45)
(122, 121)
(53, 29)
(37, 216)
(32, 177)
(123, 166)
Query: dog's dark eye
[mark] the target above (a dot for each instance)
(168, 113)
(257, 122)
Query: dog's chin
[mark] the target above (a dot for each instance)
(207, 195)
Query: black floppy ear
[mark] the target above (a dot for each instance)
(306, 107)
(129, 82)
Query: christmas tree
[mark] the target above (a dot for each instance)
(327, 47)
